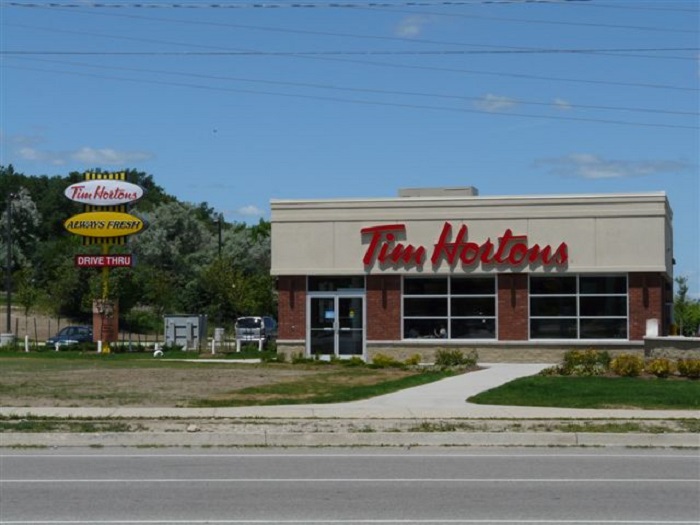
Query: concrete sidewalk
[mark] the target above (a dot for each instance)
(364, 423)
(442, 399)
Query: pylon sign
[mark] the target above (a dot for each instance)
(105, 222)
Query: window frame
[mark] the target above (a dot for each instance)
(577, 317)
(448, 319)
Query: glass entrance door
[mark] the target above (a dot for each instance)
(336, 325)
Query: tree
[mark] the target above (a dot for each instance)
(25, 221)
(686, 311)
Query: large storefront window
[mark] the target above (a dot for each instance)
(578, 307)
(449, 307)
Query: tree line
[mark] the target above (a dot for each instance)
(188, 260)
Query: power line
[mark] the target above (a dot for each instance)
(538, 21)
(386, 64)
(266, 5)
(331, 5)
(367, 52)
(360, 90)
(494, 48)
(369, 102)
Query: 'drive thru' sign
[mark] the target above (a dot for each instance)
(101, 261)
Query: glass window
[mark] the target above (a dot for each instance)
(420, 286)
(603, 306)
(449, 307)
(604, 285)
(552, 285)
(473, 286)
(561, 328)
(473, 328)
(552, 306)
(424, 306)
(425, 328)
(473, 306)
(578, 307)
(333, 284)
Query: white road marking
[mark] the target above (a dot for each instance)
(354, 480)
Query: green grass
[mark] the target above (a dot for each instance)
(594, 392)
(328, 388)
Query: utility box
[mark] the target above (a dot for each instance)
(187, 331)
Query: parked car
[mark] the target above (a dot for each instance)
(256, 329)
(71, 335)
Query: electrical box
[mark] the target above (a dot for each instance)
(187, 331)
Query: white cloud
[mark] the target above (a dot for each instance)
(85, 155)
(412, 26)
(250, 211)
(560, 103)
(109, 156)
(494, 103)
(589, 166)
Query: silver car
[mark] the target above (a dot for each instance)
(256, 329)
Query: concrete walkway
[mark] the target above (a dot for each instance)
(436, 401)
(442, 399)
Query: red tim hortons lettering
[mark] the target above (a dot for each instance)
(384, 249)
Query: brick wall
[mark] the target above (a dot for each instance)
(512, 307)
(291, 308)
(646, 301)
(383, 307)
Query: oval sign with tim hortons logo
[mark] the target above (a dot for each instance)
(104, 224)
(104, 192)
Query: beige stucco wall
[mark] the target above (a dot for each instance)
(604, 233)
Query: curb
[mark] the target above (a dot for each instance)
(358, 439)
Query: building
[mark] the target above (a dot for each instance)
(518, 278)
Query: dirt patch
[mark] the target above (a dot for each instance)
(151, 386)
(85, 382)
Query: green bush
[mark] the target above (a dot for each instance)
(660, 367)
(448, 358)
(689, 367)
(585, 363)
(627, 365)
(353, 361)
(413, 360)
(385, 361)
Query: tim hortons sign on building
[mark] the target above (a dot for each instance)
(104, 224)
(509, 249)
(107, 192)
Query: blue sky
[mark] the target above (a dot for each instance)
(237, 103)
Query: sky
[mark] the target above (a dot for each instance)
(237, 103)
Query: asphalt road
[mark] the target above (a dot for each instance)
(407, 486)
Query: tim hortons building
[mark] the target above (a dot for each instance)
(517, 278)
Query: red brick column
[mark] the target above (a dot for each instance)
(291, 308)
(513, 307)
(646, 301)
(105, 320)
(383, 307)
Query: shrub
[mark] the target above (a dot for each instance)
(385, 361)
(353, 361)
(448, 358)
(627, 365)
(689, 367)
(585, 363)
(414, 360)
(660, 367)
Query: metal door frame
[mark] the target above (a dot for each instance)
(336, 296)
